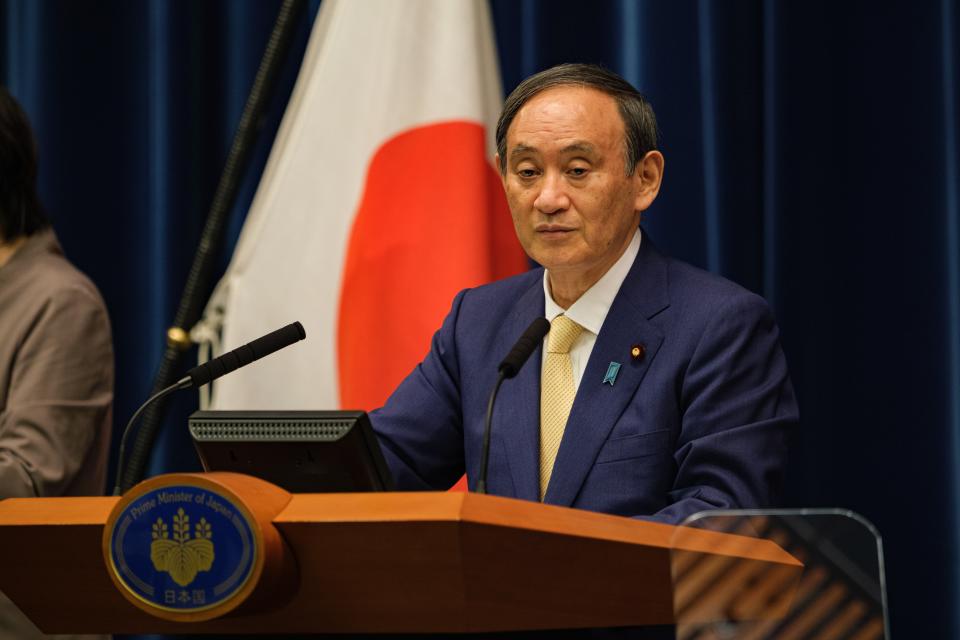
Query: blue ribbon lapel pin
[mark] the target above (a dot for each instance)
(611, 375)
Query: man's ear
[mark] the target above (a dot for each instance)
(649, 175)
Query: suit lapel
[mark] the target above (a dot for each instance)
(598, 406)
(516, 424)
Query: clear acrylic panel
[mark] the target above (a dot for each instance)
(785, 574)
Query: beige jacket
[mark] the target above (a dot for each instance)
(56, 386)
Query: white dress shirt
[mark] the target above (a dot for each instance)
(590, 309)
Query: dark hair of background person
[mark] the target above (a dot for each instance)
(639, 121)
(21, 213)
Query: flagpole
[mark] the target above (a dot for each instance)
(197, 286)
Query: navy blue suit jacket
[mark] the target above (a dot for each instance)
(699, 422)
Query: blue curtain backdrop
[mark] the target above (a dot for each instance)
(811, 156)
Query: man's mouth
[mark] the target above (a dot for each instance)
(553, 229)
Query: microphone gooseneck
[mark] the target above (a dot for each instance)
(509, 367)
(182, 383)
(207, 372)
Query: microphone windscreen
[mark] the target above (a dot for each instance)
(524, 347)
(271, 342)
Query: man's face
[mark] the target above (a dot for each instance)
(573, 205)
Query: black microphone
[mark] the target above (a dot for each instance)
(242, 356)
(509, 368)
(209, 371)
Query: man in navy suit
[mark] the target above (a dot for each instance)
(680, 395)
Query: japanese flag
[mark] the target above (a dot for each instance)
(378, 203)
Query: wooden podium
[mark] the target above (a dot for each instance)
(381, 563)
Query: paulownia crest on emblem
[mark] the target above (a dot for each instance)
(182, 557)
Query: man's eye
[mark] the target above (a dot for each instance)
(578, 172)
(526, 173)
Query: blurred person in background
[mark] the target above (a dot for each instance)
(56, 352)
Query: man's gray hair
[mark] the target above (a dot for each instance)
(639, 121)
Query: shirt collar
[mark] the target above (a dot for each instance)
(590, 309)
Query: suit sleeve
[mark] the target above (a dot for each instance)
(61, 392)
(738, 408)
(421, 425)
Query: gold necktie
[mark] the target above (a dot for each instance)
(556, 393)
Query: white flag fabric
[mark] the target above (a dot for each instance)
(378, 203)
